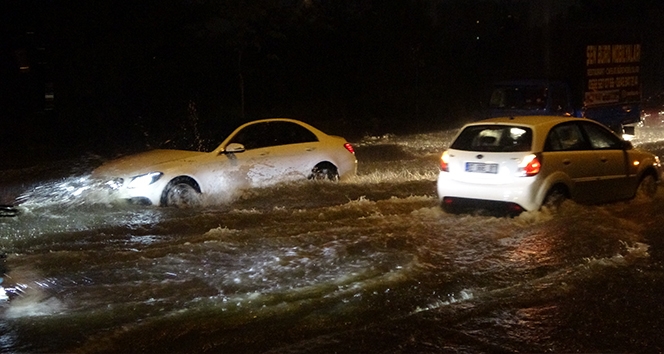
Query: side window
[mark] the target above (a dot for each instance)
(268, 134)
(566, 137)
(254, 136)
(601, 138)
(291, 133)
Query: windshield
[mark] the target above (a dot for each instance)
(494, 138)
(519, 97)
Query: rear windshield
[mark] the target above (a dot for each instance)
(494, 138)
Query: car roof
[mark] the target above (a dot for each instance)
(276, 119)
(539, 124)
(291, 120)
(533, 121)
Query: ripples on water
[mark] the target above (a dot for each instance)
(306, 267)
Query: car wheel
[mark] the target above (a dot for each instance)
(554, 199)
(647, 187)
(325, 171)
(181, 194)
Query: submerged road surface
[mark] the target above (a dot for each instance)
(369, 265)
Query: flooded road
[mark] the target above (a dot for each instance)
(368, 265)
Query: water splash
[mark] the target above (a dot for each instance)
(70, 191)
(463, 295)
(27, 296)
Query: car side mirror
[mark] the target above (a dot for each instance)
(627, 145)
(234, 148)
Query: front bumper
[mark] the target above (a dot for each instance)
(118, 189)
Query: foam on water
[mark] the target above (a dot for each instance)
(32, 306)
(30, 295)
(306, 257)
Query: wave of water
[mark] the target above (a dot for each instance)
(308, 267)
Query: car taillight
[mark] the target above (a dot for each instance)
(530, 166)
(349, 147)
(444, 162)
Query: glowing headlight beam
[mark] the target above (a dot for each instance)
(144, 180)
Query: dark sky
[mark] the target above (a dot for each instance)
(137, 73)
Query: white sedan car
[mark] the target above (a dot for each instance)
(256, 154)
(522, 163)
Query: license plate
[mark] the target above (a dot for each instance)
(481, 167)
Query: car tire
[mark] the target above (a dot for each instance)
(181, 193)
(647, 187)
(554, 199)
(325, 171)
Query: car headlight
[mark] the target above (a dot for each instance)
(144, 180)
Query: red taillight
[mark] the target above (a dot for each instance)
(530, 166)
(349, 147)
(514, 208)
(444, 162)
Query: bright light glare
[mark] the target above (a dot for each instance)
(444, 161)
(144, 180)
(79, 191)
(516, 132)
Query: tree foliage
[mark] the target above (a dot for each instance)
(158, 68)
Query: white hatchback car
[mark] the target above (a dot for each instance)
(256, 154)
(521, 163)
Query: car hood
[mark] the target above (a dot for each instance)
(142, 163)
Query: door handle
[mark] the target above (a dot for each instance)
(567, 162)
(604, 159)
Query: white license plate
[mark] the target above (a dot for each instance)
(481, 167)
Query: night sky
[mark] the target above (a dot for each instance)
(131, 75)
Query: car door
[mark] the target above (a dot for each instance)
(612, 157)
(295, 151)
(275, 151)
(567, 151)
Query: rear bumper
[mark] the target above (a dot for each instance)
(456, 204)
(522, 192)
